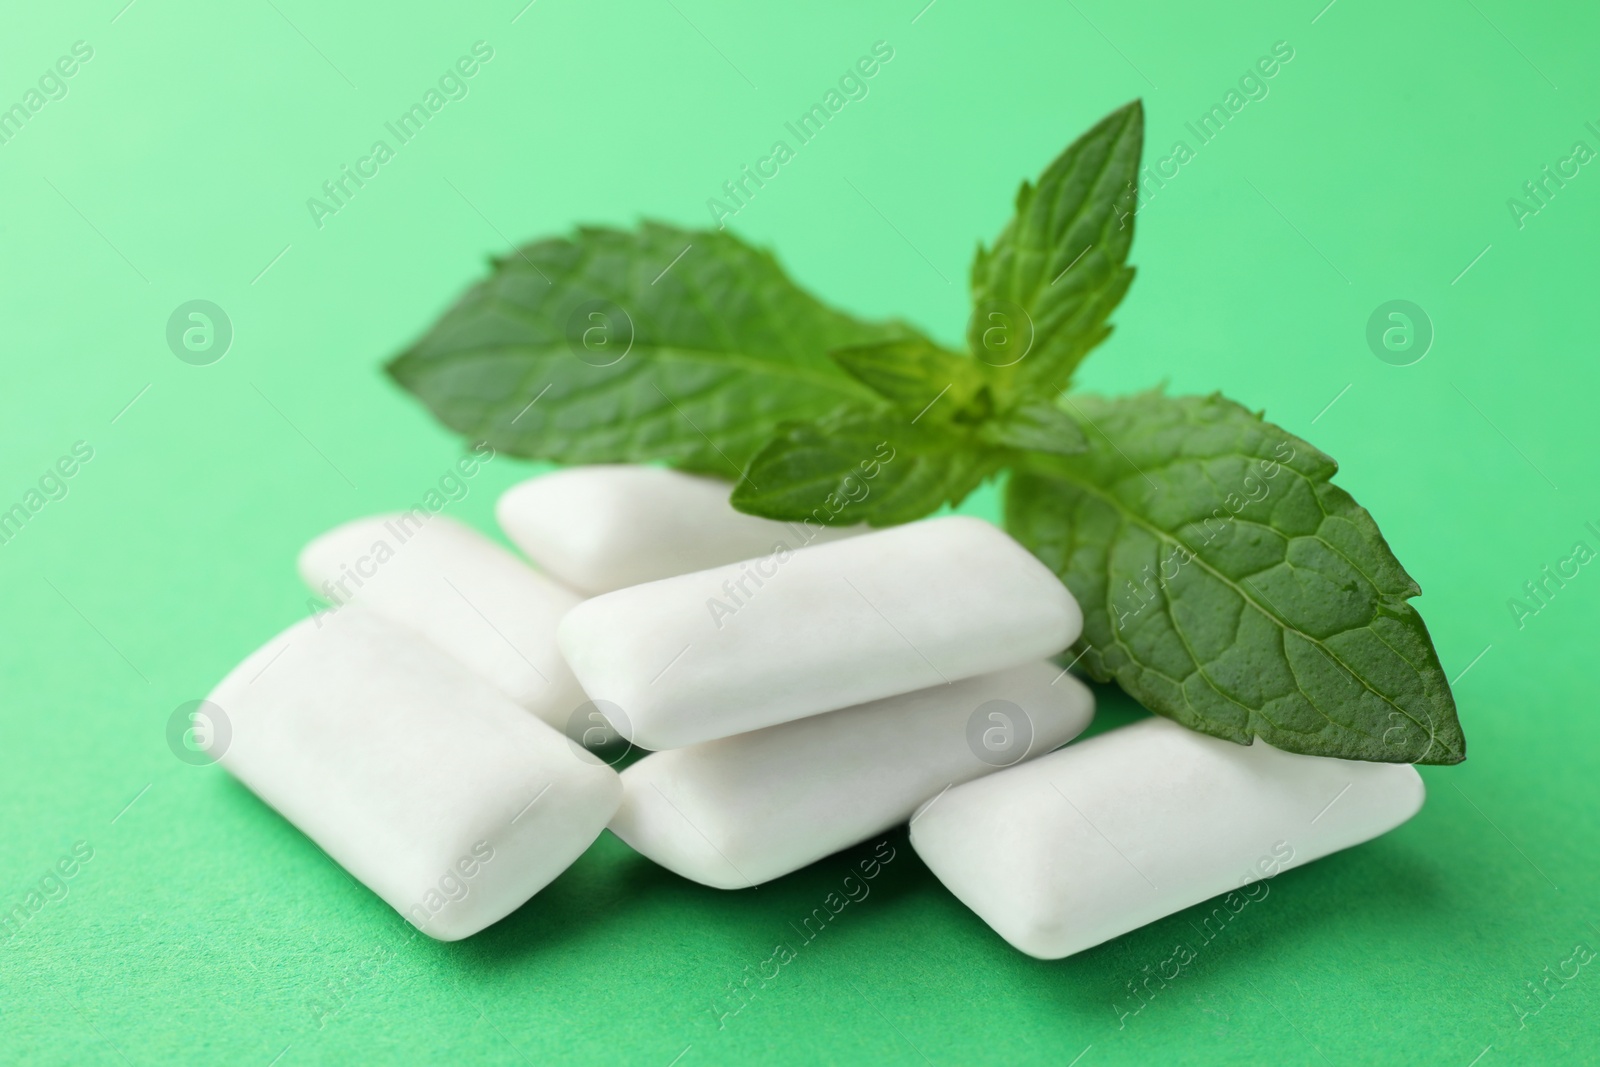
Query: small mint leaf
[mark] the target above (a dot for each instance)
(918, 377)
(1042, 294)
(1037, 426)
(861, 466)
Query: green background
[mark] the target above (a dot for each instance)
(207, 930)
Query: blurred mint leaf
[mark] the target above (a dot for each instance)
(921, 379)
(1036, 425)
(861, 466)
(1042, 294)
(634, 346)
(1226, 583)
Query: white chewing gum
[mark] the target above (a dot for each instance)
(743, 810)
(606, 527)
(1083, 845)
(753, 644)
(423, 781)
(470, 597)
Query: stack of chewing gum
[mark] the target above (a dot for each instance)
(801, 688)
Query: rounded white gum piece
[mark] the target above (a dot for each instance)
(736, 648)
(606, 527)
(422, 780)
(743, 810)
(470, 597)
(1085, 844)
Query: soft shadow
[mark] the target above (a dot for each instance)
(1112, 708)
(613, 885)
(1382, 882)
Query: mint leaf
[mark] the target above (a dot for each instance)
(1228, 584)
(919, 377)
(1042, 294)
(1037, 425)
(861, 466)
(615, 346)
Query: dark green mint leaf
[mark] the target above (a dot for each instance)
(615, 346)
(860, 465)
(1042, 294)
(1228, 584)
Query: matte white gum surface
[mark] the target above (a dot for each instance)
(1083, 845)
(752, 644)
(743, 810)
(424, 782)
(467, 595)
(605, 527)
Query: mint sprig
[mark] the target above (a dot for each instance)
(1225, 581)
(1062, 259)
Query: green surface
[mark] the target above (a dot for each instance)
(206, 930)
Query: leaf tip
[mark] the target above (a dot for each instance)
(398, 369)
